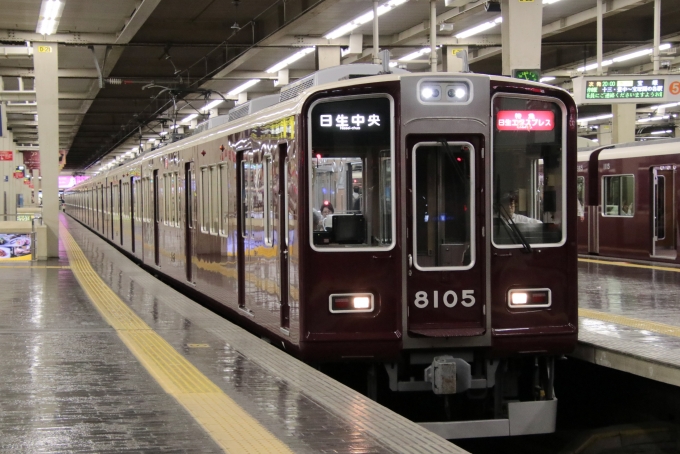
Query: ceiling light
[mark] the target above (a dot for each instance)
(363, 19)
(657, 118)
(665, 106)
(416, 54)
(599, 117)
(479, 28)
(293, 58)
(594, 66)
(50, 13)
(550, 2)
(187, 119)
(547, 79)
(667, 131)
(243, 87)
(213, 104)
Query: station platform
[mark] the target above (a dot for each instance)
(99, 356)
(629, 317)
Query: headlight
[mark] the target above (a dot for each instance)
(530, 298)
(430, 93)
(350, 302)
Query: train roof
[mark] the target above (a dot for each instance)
(289, 101)
(634, 149)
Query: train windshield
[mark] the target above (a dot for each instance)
(529, 198)
(350, 173)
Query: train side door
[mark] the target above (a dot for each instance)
(244, 177)
(445, 263)
(282, 233)
(190, 199)
(663, 214)
(156, 219)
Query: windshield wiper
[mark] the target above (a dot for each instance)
(506, 216)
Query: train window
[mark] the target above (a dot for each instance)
(529, 173)
(350, 173)
(443, 203)
(580, 196)
(268, 201)
(175, 198)
(224, 198)
(215, 201)
(618, 193)
(165, 203)
(205, 199)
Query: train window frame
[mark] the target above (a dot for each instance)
(565, 218)
(205, 199)
(471, 202)
(215, 201)
(392, 149)
(604, 212)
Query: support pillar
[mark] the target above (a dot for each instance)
(452, 63)
(45, 62)
(623, 123)
(521, 35)
(328, 56)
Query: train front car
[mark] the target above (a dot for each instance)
(439, 239)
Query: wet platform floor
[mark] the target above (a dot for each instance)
(71, 383)
(629, 317)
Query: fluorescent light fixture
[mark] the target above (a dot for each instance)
(665, 106)
(363, 19)
(547, 79)
(550, 2)
(213, 104)
(187, 119)
(242, 87)
(667, 131)
(163, 133)
(657, 118)
(416, 54)
(596, 118)
(50, 13)
(393, 64)
(152, 139)
(293, 58)
(479, 28)
(594, 66)
(595, 140)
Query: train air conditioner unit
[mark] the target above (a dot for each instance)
(334, 74)
(252, 106)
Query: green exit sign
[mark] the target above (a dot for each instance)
(533, 75)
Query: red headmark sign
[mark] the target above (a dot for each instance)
(525, 120)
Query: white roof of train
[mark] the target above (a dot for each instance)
(635, 149)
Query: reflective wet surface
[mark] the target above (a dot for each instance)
(649, 295)
(70, 384)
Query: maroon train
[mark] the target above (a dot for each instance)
(420, 268)
(630, 201)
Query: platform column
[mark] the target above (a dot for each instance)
(452, 62)
(45, 61)
(327, 56)
(521, 32)
(623, 123)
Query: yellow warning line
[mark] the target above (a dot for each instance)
(227, 423)
(632, 265)
(661, 328)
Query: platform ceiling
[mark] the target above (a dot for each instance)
(158, 47)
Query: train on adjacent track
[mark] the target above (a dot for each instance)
(422, 268)
(628, 201)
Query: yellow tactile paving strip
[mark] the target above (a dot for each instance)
(631, 265)
(655, 327)
(228, 424)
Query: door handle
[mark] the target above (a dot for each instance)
(410, 261)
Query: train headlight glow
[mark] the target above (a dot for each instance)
(361, 302)
(530, 298)
(519, 298)
(430, 93)
(351, 302)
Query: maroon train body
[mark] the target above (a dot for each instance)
(630, 201)
(422, 268)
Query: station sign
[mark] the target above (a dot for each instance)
(626, 89)
(6, 156)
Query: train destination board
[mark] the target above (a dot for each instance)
(625, 89)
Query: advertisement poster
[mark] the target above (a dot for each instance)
(6, 156)
(15, 246)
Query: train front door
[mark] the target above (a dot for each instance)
(663, 214)
(445, 262)
(190, 200)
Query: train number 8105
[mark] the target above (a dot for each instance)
(450, 299)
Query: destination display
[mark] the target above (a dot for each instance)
(362, 121)
(625, 89)
(525, 120)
